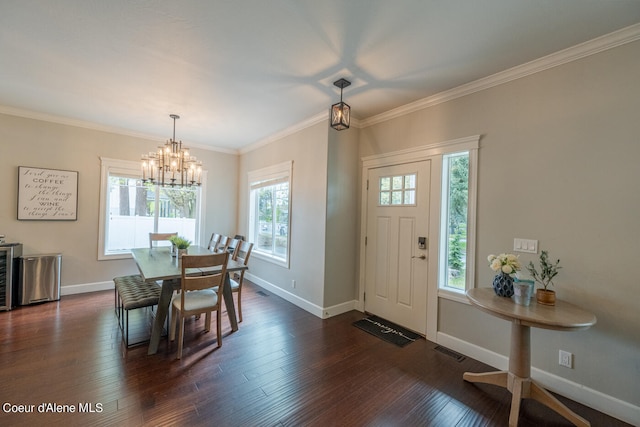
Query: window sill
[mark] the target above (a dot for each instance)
(270, 259)
(108, 257)
(453, 296)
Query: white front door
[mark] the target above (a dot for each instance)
(396, 244)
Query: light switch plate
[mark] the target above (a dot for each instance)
(525, 245)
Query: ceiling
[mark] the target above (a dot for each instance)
(241, 71)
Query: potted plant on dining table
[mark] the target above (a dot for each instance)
(181, 244)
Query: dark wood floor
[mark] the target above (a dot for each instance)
(284, 367)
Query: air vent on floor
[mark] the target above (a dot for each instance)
(262, 293)
(459, 357)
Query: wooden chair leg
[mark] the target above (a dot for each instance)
(240, 305)
(180, 336)
(219, 326)
(174, 324)
(207, 322)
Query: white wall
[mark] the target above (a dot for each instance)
(558, 162)
(28, 142)
(308, 149)
(341, 247)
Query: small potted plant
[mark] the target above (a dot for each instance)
(548, 270)
(505, 265)
(181, 244)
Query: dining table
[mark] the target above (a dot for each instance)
(159, 264)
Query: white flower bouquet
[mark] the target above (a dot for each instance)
(504, 263)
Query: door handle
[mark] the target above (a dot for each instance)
(423, 256)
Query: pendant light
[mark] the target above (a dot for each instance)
(341, 112)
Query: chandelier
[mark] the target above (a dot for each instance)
(341, 112)
(171, 165)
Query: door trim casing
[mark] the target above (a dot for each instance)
(413, 154)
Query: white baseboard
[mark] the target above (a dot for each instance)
(606, 404)
(321, 312)
(335, 310)
(85, 288)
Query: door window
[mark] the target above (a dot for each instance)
(398, 190)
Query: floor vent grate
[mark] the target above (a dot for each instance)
(459, 357)
(262, 293)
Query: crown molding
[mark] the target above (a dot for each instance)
(311, 121)
(285, 132)
(35, 115)
(591, 47)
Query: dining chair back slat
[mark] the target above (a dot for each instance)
(213, 242)
(223, 243)
(232, 247)
(158, 237)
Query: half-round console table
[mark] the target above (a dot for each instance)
(561, 317)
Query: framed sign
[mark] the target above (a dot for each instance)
(47, 194)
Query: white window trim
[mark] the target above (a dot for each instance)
(448, 293)
(282, 170)
(133, 169)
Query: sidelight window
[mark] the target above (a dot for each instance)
(454, 223)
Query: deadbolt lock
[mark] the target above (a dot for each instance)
(422, 243)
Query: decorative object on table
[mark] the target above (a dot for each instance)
(505, 265)
(181, 245)
(548, 270)
(523, 291)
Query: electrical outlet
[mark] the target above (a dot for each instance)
(565, 359)
(293, 284)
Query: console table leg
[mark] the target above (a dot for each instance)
(543, 396)
(498, 378)
(516, 385)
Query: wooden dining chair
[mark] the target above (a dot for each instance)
(242, 254)
(157, 237)
(198, 295)
(232, 247)
(223, 243)
(213, 242)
